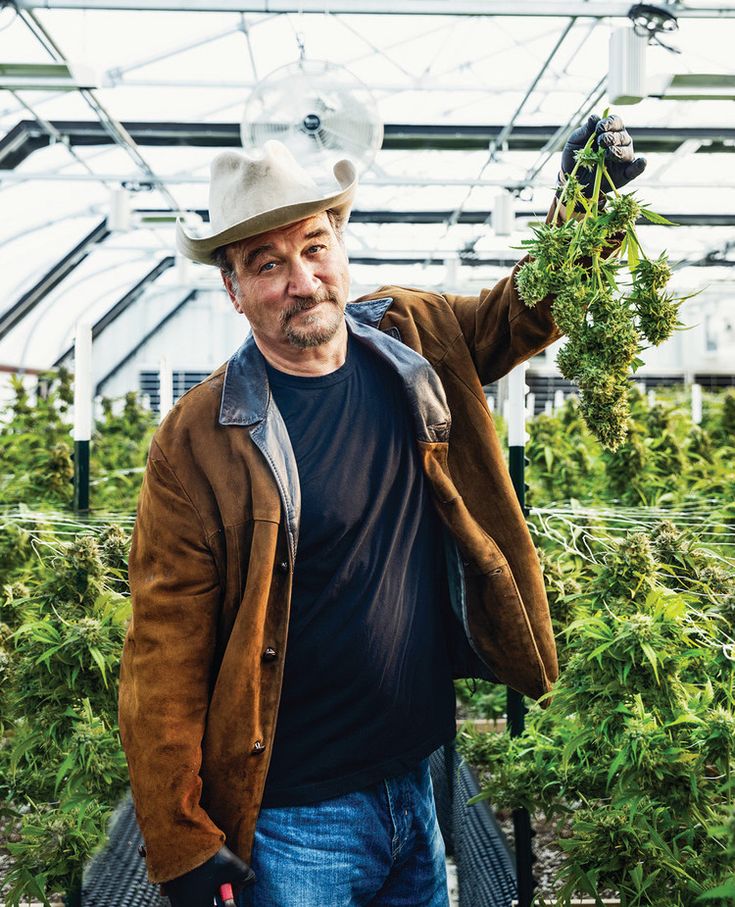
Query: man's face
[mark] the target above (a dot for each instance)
(291, 283)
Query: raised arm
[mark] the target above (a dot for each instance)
(499, 329)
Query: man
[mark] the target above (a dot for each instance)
(326, 535)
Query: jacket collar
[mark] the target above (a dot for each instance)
(245, 394)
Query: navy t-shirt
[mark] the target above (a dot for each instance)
(367, 689)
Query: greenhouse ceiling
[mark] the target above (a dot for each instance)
(110, 113)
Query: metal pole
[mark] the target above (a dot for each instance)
(601, 9)
(82, 414)
(165, 388)
(516, 708)
(697, 404)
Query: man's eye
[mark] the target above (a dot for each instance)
(268, 266)
(312, 249)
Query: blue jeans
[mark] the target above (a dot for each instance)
(378, 847)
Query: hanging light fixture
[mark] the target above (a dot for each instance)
(650, 21)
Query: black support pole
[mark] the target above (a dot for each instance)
(81, 476)
(516, 708)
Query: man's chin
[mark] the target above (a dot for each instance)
(312, 332)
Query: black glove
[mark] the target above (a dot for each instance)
(620, 160)
(199, 887)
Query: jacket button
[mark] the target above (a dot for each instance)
(270, 654)
(142, 851)
(283, 567)
(258, 748)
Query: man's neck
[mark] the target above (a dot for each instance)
(310, 362)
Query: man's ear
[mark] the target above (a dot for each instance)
(227, 281)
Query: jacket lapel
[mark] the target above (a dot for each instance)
(247, 402)
(424, 390)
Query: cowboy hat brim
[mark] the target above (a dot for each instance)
(200, 248)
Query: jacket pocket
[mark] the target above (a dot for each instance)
(499, 622)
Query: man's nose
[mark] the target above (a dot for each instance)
(302, 280)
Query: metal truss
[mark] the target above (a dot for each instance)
(596, 9)
(109, 123)
(28, 136)
(384, 216)
(59, 272)
(123, 304)
(136, 184)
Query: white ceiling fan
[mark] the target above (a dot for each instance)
(321, 112)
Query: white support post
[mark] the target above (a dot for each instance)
(165, 389)
(82, 413)
(697, 404)
(517, 390)
(83, 382)
(558, 399)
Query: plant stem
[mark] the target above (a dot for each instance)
(588, 144)
(607, 176)
(596, 189)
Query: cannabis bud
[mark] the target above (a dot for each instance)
(607, 324)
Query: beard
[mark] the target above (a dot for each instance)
(312, 329)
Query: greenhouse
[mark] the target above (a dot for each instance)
(367, 453)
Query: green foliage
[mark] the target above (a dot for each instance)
(118, 453)
(63, 613)
(665, 459)
(724, 834)
(62, 758)
(36, 449)
(35, 445)
(56, 841)
(481, 699)
(634, 755)
(607, 322)
(562, 459)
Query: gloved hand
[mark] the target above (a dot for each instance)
(199, 887)
(620, 160)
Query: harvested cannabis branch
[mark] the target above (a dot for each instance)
(607, 320)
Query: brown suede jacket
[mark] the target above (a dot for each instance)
(213, 552)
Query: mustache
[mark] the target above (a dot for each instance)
(304, 303)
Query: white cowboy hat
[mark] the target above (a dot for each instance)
(251, 195)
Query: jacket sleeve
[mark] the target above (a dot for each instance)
(165, 673)
(500, 329)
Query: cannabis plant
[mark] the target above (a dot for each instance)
(634, 756)
(562, 460)
(607, 322)
(118, 454)
(63, 759)
(36, 449)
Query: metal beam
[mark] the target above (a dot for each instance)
(22, 140)
(507, 261)
(28, 136)
(109, 123)
(384, 216)
(480, 217)
(60, 271)
(18, 369)
(598, 10)
(134, 182)
(507, 130)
